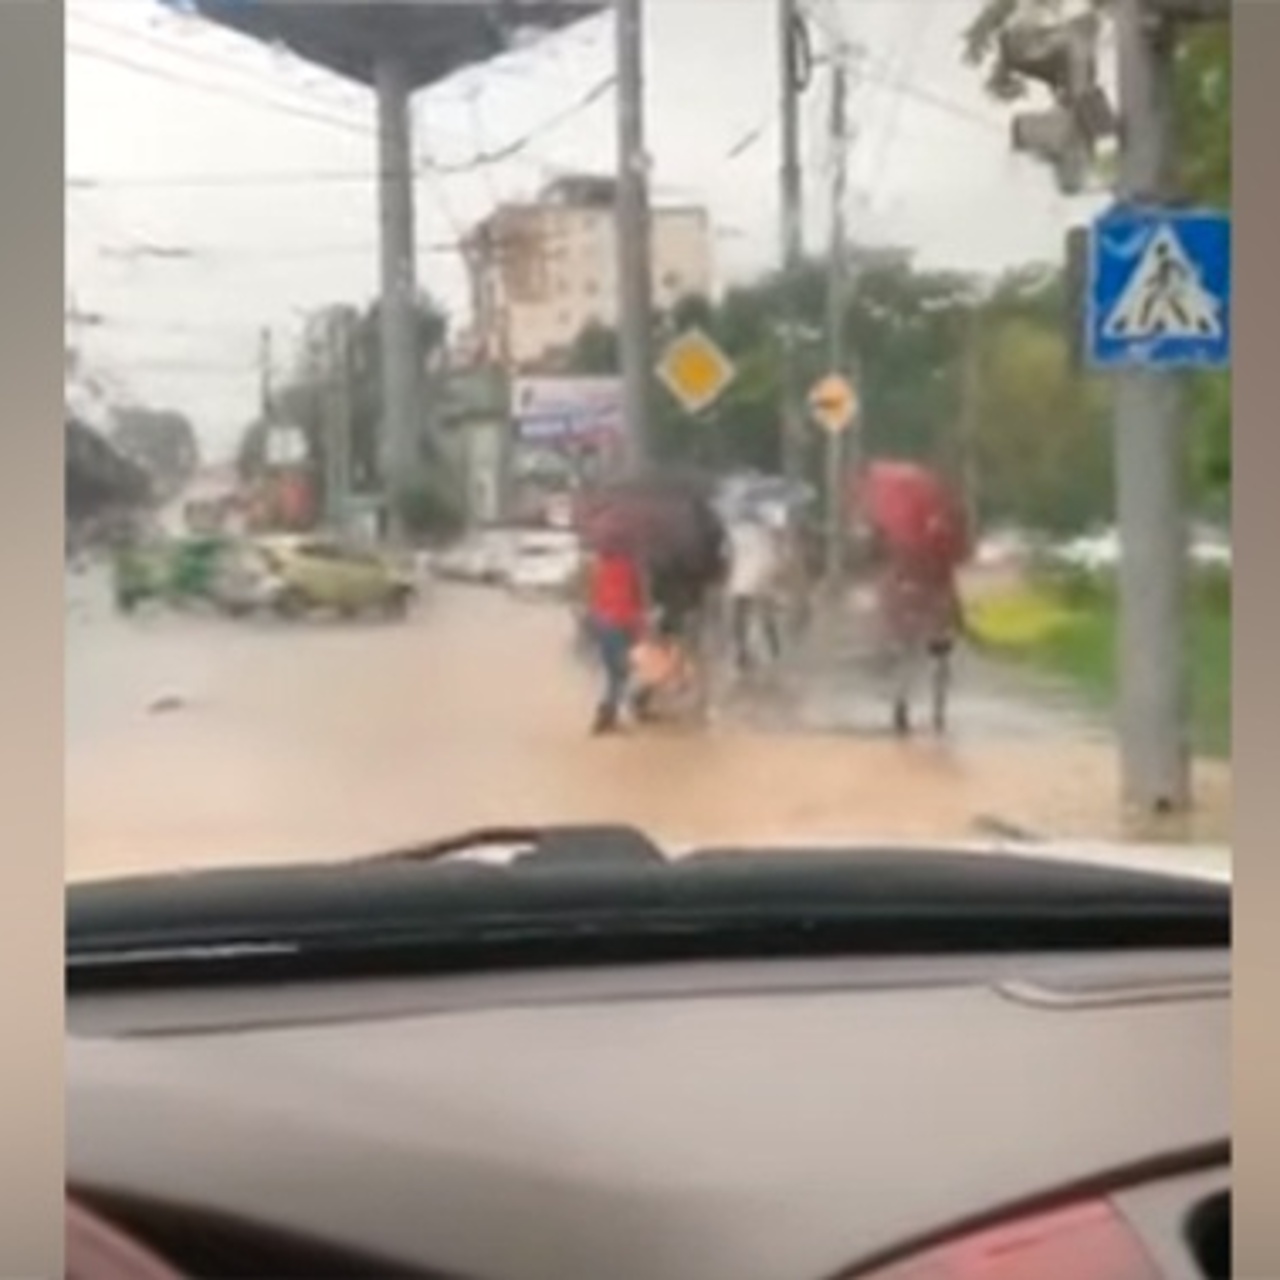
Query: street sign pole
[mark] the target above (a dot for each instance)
(1150, 466)
(836, 301)
(633, 243)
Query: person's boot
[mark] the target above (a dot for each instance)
(606, 721)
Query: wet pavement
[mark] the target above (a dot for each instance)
(196, 741)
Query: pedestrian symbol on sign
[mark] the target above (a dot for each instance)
(1164, 298)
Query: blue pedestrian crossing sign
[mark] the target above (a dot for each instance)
(1159, 291)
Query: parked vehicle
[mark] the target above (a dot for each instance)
(479, 557)
(1210, 548)
(1099, 552)
(178, 571)
(544, 563)
(1092, 552)
(322, 574)
(246, 581)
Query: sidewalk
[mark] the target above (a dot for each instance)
(1047, 760)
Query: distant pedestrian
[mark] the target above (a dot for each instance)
(754, 592)
(920, 610)
(615, 619)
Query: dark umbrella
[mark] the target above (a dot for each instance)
(664, 518)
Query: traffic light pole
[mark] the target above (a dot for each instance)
(792, 407)
(1150, 469)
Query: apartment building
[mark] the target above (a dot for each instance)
(542, 272)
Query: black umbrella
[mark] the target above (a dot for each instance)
(665, 518)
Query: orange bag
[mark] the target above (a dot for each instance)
(654, 663)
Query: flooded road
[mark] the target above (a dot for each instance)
(193, 742)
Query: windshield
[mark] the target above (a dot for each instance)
(722, 432)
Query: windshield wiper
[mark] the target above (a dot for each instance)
(592, 895)
(585, 846)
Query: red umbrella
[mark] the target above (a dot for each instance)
(914, 511)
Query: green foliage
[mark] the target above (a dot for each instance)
(1040, 432)
(431, 507)
(1066, 623)
(162, 441)
(301, 398)
(1202, 104)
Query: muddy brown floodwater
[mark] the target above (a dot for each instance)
(198, 742)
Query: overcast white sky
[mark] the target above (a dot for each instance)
(258, 170)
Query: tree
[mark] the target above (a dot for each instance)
(163, 441)
(301, 399)
(1202, 94)
(900, 321)
(1043, 447)
(97, 477)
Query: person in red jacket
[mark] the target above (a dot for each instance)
(616, 615)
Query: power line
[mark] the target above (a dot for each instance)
(205, 59)
(223, 91)
(518, 145)
(428, 168)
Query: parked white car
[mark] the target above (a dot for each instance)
(1003, 548)
(1210, 548)
(544, 563)
(1092, 552)
(1207, 548)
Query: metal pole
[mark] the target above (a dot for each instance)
(264, 371)
(635, 284)
(792, 226)
(1150, 460)
(338, 433)
(966, 431)
(399, 357)
(836, 300)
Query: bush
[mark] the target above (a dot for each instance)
(430, 510)
(1076, 587)
(1211, 588)
(1017, 621)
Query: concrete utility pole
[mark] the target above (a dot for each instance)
(264, 372)
(837, 297)
(635, 282)
(792, 225)
(1150, 466)
(401, 376)
(338, 421)
(966, 422)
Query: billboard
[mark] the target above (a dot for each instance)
(566, 411)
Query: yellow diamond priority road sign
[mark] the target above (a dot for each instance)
(833, 403)
(695, 370)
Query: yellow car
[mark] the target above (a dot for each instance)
(313, 573)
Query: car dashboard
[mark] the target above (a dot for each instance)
(775, 1120)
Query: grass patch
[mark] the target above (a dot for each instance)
(1070, 632)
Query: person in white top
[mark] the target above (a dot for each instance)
(754, 579)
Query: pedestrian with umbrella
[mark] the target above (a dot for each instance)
(671, 532)
(920, 537)
(615, 620)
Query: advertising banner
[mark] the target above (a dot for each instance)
(567, 411)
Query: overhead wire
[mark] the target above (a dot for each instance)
(206, 58)
(128, 62)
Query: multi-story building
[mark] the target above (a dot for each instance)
(543, 272)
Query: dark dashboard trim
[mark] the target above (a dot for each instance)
(395, 917)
